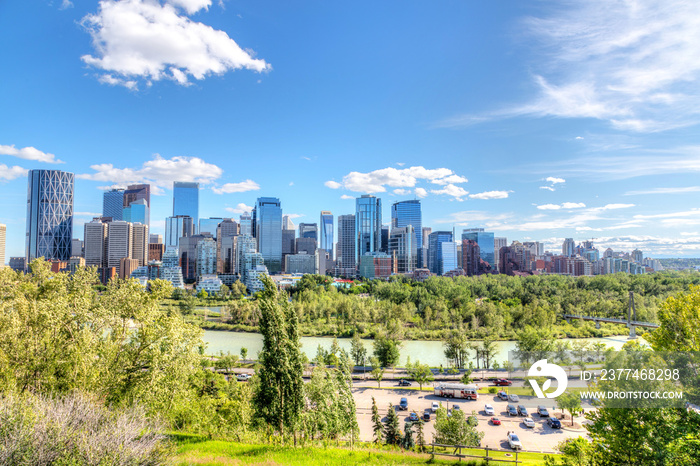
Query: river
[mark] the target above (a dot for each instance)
(426, 351)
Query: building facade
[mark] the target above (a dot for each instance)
(326, 225)
(113, 204)
(435, 256)
(186, 200)
(136, 192)
(180, 226)
(267, 218)
(403, 249)
(368, 225)
(405, 213)
(346, 257)
(485, 240)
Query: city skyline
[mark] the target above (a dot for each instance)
(506, 122)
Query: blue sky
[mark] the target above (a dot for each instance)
(536, 120)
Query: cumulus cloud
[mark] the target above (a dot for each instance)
(565, 205)
(153, 40)
(573, 205)
(243, 186)
(159, 173)
(548, 188)
(614, 206)
(490, 195)
(452, 179)
(29, 153)
(333, 184)
(549, 207)
(345, 197)
(402, 192)
(451, 190)
(10, 173)
(421, 192)
(240, 208)
(554, 180)
(376, 181)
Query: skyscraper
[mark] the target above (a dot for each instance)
(49, 215)
(435, 254)
(137, 212)
(368, 225)
(96, 243)
(209, 225)
(568, 247)
(406, 213)
(327, 232)
(287, 223)
(246, 225)
(119, 243)
(308, 230)
(268, 231)
(402, 248)
(486, 244)
(186, 200)
(176, 228)
(136, 192)
(139, 243)
(113, 203)
(346, 245)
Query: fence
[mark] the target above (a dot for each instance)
(485, 457)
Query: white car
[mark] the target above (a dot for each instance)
(488, 410)
(514, 441)
(513, 398)
(435, 406)
(243, 377)
(529, 422)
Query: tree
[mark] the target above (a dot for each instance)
(575, 452)
(456, 347)
(244, 353)
(386, 350)
(420, 437)
(279, 396)
(533, 344)
(392, 432)
(570, 402)
(377, 425)
(223, 292)
(407, 440)
(467, 377)
(455, 429)
(358, 352)
(421, 373)
(377, 371)
(488, 351)
(226, 361)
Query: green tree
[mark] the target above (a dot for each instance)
(377, 425)
(489, 349)
(226, 362)
(407, 441)
(386, 350)
(244, 353)
(533, 344)
(421, 373)
(392, 432)
(279, 396)
(571, 403)
(455, 429)
(377, 371)
(456, 348)
(467, 377)
(224, 292)
(575, 452)
(420, 437)
(358, 352)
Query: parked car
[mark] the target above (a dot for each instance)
(514, 441)
(495, 421)
(243, 377)
(435, 406)
(403, 404)
(542, 411)
(404, 383)
(513, 398)
(426, 415)
(503, 395)
(554, 423)
(502, 382)
(522, 410)
(413, 417)
(456, 407)
(529, 422)
(511, 410)
(488, 410)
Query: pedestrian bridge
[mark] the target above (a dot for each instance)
(632, 324)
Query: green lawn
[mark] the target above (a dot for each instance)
(192, 450)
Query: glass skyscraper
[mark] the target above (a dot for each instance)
(486, 244)
(113, 203)
(368, 225)
(405, 213)
(209, 225)
(186, 200)
(137, 192)
(435, 255)
(49, 214)
(176, 228)
(267, 217)
(327, 232)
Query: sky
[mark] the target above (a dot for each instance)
(535, 120)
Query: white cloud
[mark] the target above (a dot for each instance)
(451, 190)
(613, 207)
(578, 138)
(291, 183)
(345, 197)
(375, 181)
(548, 188)
(240, 208)
(573, 205)
(293, 216)
(490, 195)
(87, 214)
(243, 186)
(65, 4)
(452, 179)
(29, 153)
(151, 40)
(159, 173)
(10, 173)
(679, 190)
(554, 180)
(421, 192)
(402, 192)
(549, 207)
(400, 164)
(466, 217)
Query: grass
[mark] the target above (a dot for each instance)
(527, 391)
(196, 450)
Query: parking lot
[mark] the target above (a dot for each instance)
(540, 438)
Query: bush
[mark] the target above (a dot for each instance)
(76, 431)
(493, 390)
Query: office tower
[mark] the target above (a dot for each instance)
(288, 243)
(471, 257)
(287, 223)
(249, 261)
(188, 255)
(155, 239)
(385, 239)
(49, 215)
(498, 243)
(308, 230)
(375, 265)
(119, 237)
(424, 251)
(3, 235)
(137, 212)
(300, 263)
(155, 251)
(246, 225)
(486, 244)
(136, 192)
(171, 270)
(226, 254)
(96, 243)
(178, 227)
(18, 264)
(76, 247)
(435, 256)
(186, 200)
(326, 226)
(448, 257)
(305, 246)
(637, 256)
(113, 204)
(227, 227)
(406, 213)
(209, 225)
(368, 225)
(267, 218)
(206, 257)
(245, 244)
(346, 245)
(139, 243)
(568, 247)
(126, 266)
(402, 249)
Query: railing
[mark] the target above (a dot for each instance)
(486, 457)
(612, 320)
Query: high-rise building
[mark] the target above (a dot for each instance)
(186, 200)
(402, 249)
(188, 255)
(486, 244)
(424, 250)
(155, 239)
(76, 247)
(177, 227)
(209, 225)
(246, 225)
(448, 257)
(139, 243)
(305, 246)
(49, 215)
(498, 243)
(267, 217)
(226, 237)
(119, 243)
(137, 192)
(3, 235)
(206, 257)
(308, 230)
(326, 226)
(171, 270)
(18, 264)
(126, 266)
(96, 243)
(435, 255)
(471, 257)
(155, 251)
(137, 212)
(406, 213)
(368, 225)
(568, 247)
(287, 223)
(245, 244)
(288, 242)
(346, 245)
(113, 204)
(227, 227)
